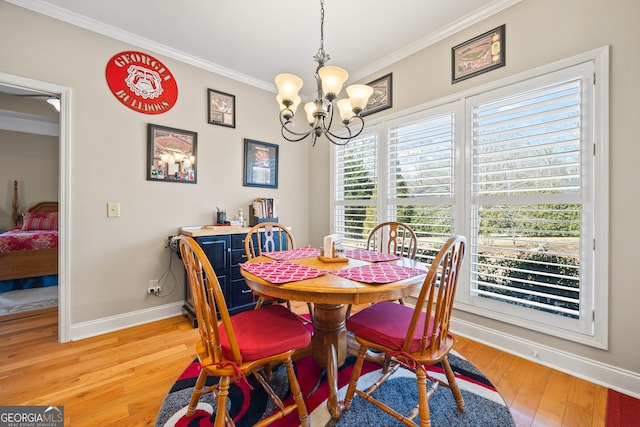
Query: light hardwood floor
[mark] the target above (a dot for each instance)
(120, 378)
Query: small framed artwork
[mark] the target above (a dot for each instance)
(222, 108)
(483, 53)
(260, 164)
(171, 154)
(382, 96)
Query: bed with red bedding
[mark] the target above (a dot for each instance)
(30, 249)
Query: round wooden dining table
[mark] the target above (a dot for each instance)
(331, 295)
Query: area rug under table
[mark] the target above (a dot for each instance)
(485, 406)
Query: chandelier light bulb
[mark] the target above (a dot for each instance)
(288, 86)
(332, 80)
(310, 108)
(346, 111)
(359, 96)
(293, 107)
(55, 102)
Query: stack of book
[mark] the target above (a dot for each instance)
(263, 210)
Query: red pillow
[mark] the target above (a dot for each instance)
(40, 221)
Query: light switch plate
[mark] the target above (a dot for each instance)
(113, 209)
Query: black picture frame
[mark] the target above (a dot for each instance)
(260, 164)
(382, 97)
(221, 108)
(171, 154)
(478, 55)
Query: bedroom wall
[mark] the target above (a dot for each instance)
(30, 159)
(540, 32)
(113, 259)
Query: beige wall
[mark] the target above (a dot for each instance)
(113, 259)
(539, 32)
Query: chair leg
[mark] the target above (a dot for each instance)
(423, 399)
(353, 382)
(197, 392)
(453, 385)
(259, 302)
(297, 394)
(221, 412)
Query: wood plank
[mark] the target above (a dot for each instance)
(579, 409)
(530, 393)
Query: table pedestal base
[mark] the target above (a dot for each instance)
(330, 347)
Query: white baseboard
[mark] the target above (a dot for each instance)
(621, 380)
(122, 321)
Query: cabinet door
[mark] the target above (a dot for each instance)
(215, 247)
(217, 250)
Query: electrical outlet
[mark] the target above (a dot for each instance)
(154, 287)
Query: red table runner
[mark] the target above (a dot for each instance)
(378, 273)
(304, 252)
(370, 256)
(281, 271)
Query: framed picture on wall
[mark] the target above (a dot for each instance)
(222, 108)
(382, 95)
(171, 154)
(260, 164)
(483, 53)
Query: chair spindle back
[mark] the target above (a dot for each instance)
(267, 237)
(437, 296)
(394, 238)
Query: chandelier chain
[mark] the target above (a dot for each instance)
(322, 25)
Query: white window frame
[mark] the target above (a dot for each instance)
(598, 276)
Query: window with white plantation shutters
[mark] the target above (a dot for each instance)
(421, 180)
(519, 167)
(531, 150)
(356, 189)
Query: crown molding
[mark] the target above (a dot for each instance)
(124, 36)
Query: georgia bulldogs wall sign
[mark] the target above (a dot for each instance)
(141, 82)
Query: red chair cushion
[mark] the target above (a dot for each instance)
(387, 323)
(265, 332)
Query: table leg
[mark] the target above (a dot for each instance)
(330, 347)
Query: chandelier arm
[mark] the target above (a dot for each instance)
(285, 122)
(339, 141)
(294, 134)
(301, 136)
(352, 134)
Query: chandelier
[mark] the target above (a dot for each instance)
(320, 112)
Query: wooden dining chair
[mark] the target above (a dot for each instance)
(412, 338)
(393, 237)
(242, 344)
(269, 237)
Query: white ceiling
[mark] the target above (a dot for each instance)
(254, 40)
